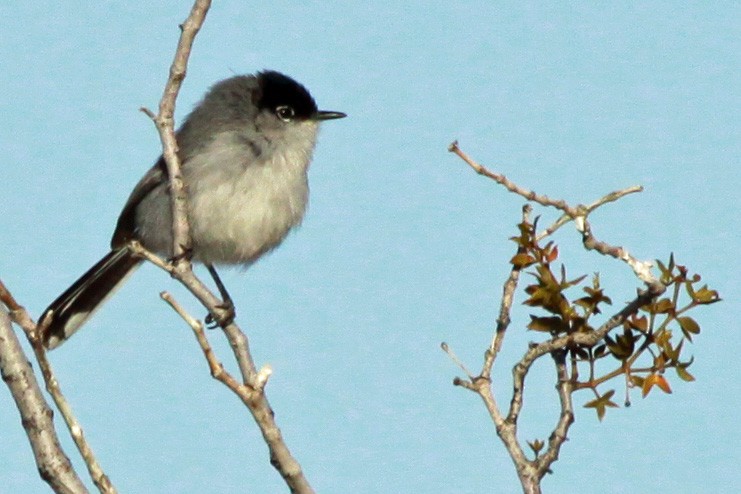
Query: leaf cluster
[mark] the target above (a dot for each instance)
(648, 343)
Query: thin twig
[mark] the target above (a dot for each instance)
(217, 368)
(642, 269)
(446, 348)
(237, 340)
(253, 396)
(585, 339)
(565, 419)
(565, 218)
(505, 308)
(578, 214)
(99, 477)
(530, 195)
(165, 122)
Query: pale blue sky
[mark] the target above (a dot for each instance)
(403, 246)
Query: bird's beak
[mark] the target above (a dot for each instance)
(329, 115)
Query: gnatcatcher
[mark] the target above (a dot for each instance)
(244, 151)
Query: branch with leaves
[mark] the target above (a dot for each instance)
(654, 327)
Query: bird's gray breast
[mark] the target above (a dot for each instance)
(244, 196)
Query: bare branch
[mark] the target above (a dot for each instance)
(36, 416)
(100, 479)
(578, 214)
(508, 296)
(165, 122)
(511, 186)
(237, 340)
(566, 418)
(21, 317)
(611, 197)
(252, 395)
(251, 389)
(217, 368)
(642, 269)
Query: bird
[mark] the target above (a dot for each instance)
(245, 150)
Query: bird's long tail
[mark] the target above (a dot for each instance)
(78, 303)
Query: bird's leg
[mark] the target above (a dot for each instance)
(227, 306)
(186, 254)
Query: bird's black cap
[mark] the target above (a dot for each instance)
(277, 90)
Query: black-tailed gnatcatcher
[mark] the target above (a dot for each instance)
(244, 150)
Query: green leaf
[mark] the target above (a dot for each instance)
(637, 381)
(662, 338)
(600, 404)
(706, 296)
(522, 260)
(639, 323)
(683, 374)
(689, 326)
(673, 353)
(666, 273)
(536, 446)
(595, 297)
(622, 347)
(663, 306)
(574, 282)
(546, 324)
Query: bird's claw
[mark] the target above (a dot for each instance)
(226, 315)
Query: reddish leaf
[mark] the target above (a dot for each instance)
(522, 260)
(662, 383)
(655, 380)
(648, 383)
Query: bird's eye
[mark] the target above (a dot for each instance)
(285, 113)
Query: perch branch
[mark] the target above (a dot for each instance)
(165, 123)
(250, 390)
